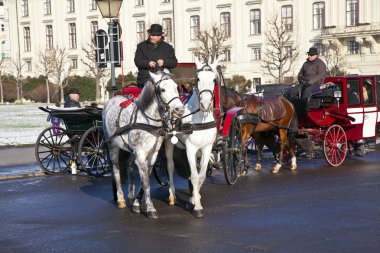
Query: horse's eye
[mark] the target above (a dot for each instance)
(162, 90)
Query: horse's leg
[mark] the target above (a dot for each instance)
(144, 166)
(283, 137)
(293, 159)
(206, 153)
(131, 181)
(195, 198)
(114, 156)
(170, 167)
(245, 134)
(259, 145)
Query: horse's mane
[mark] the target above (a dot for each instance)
(147, 96)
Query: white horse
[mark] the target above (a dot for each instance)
(140, 129)
(198, 113)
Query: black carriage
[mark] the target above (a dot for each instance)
(79, 144)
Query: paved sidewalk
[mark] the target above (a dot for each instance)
(18, 162)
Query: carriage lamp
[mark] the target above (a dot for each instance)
(337, 94)
(110, 9)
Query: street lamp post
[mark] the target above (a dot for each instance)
(110, 9)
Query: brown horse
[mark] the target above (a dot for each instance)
(261, 119)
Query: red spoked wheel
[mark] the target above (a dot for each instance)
(335, 145)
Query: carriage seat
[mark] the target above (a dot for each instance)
(323, 96)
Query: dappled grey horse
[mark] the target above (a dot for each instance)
(140, 129)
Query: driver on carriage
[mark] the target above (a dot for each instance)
(312, 73)
(72, 98)
(153, 54)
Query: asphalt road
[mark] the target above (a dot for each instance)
(315, 209)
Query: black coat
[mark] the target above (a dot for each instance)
(147, 52)
(71, 103)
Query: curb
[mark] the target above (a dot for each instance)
(18, 176)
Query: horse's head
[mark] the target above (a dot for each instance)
(205, 83)
(167, 93)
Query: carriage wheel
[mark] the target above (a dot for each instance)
(160, 171)
(53, 150)
(92, 152)
(232, 153)
(335, 145)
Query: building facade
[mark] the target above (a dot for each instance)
(353, 26)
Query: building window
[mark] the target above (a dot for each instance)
(194, 27)
(93, 5)
(139, 2)
(70, 6)
(288, 51)
(256, 82)
(29, 65)
(94, 28)
(287, 17)
(49, 37)
(352, 9)
(24, 8)
(47, 7)
(168, 29)
(255, 20)
(256, 53)
(27, 40)
(2, 27)
(74, 63)
(225, 24)
(140, 28)
(353, 47)
(165, 1)
(227, 55)
(318, 15)
(72, 35)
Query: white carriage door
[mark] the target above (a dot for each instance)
(370, 109)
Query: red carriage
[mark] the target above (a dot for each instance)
(343, 115)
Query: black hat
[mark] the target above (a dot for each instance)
(313, 51)
(155, 29)
(73, 91)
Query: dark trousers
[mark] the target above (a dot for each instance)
(307, 90)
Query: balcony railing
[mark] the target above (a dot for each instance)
(368, 28)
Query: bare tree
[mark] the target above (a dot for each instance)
(211, 43)
(17, 67)
(334, 59)
(281, 49)
(45, 67)
(61, 70)
(94, 71)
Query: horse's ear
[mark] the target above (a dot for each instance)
(216, 62)
(198, 64)
(155, 77)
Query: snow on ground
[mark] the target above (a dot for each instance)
(21, 124)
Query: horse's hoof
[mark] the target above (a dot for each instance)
(293, 168)
(152, 215)
(257, 167)
(198, 213)
(244, 172)
(275, 171)
(136, 209)
(121, 204)
(171, 201)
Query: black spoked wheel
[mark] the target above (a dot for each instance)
(232, 153)
(92, 152)
(160, 171)
(53, 150)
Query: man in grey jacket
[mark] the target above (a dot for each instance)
(312, 73)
